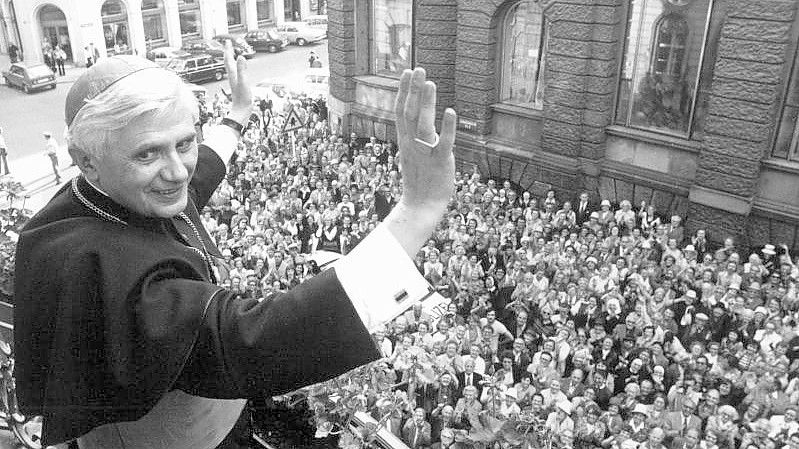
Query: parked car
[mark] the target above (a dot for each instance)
(300, 33)
(162, 55)
(266, 40)
(29, 78)
(216, 47)
(239, 45)
(318, 21)
(194, 68)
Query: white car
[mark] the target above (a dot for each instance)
(300, 33)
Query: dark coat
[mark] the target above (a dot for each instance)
(111, 317)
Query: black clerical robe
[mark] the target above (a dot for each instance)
(110, 317)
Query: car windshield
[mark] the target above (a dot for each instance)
(39, 70)
(273, 35)
(175, 64)
(215, 44)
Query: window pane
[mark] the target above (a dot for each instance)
(523, 55)
(787, 142)
(153, 28)
(663, 53)
(391, 36)
(189, 22)
(234, 13)
(264, 8)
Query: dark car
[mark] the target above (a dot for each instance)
(266, 40)
(196, 68)
(216, 47)
(30, 78)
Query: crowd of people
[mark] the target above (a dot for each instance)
(606, 323)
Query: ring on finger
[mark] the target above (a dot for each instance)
(432, 146)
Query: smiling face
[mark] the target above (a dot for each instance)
(150, 162)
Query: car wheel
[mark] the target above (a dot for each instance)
(26, 89)
(301, 42)
(272, 49)
(218, 75)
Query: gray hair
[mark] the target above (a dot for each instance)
(146, 91)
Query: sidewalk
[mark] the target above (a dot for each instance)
(35, 174)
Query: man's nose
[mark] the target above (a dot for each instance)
(174, 169)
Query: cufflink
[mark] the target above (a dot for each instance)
(400, 295)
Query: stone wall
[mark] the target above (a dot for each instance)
(436, 46)
(749, 71)
(581, 75)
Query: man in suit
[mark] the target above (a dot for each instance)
(416, 431)
(468, 407)
(131, 318)
(518, 325)
(573, 386)
(491, 261)
(688, 441)
(583, 209)
(606, 354)
(678, 422)
(468, 378)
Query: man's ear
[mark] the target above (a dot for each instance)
(86, 162)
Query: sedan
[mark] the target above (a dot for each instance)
(300, 33)
(216, 48)
(30, 78)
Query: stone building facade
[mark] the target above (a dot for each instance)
(689, 105)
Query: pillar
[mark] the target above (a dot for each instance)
(172, 18)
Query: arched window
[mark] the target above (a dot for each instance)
(670, 44)
(523, 50)
(666, 49)
(115, 27)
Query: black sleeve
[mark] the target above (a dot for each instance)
(247, 348)
(209, 172)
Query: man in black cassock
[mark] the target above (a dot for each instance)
(123, 338)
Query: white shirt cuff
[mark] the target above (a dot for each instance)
(223, 140)
(380, 279)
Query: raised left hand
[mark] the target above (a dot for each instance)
(240, 89)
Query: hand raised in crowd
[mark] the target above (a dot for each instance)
(426, 161)
(240, 89)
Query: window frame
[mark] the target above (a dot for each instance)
(270, 5)
(155, 13)
(541, 66)
(242, 15)
(371, 70)
(626, 122)
(791, 80)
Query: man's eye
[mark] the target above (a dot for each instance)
(186, 145)
(147, 154)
